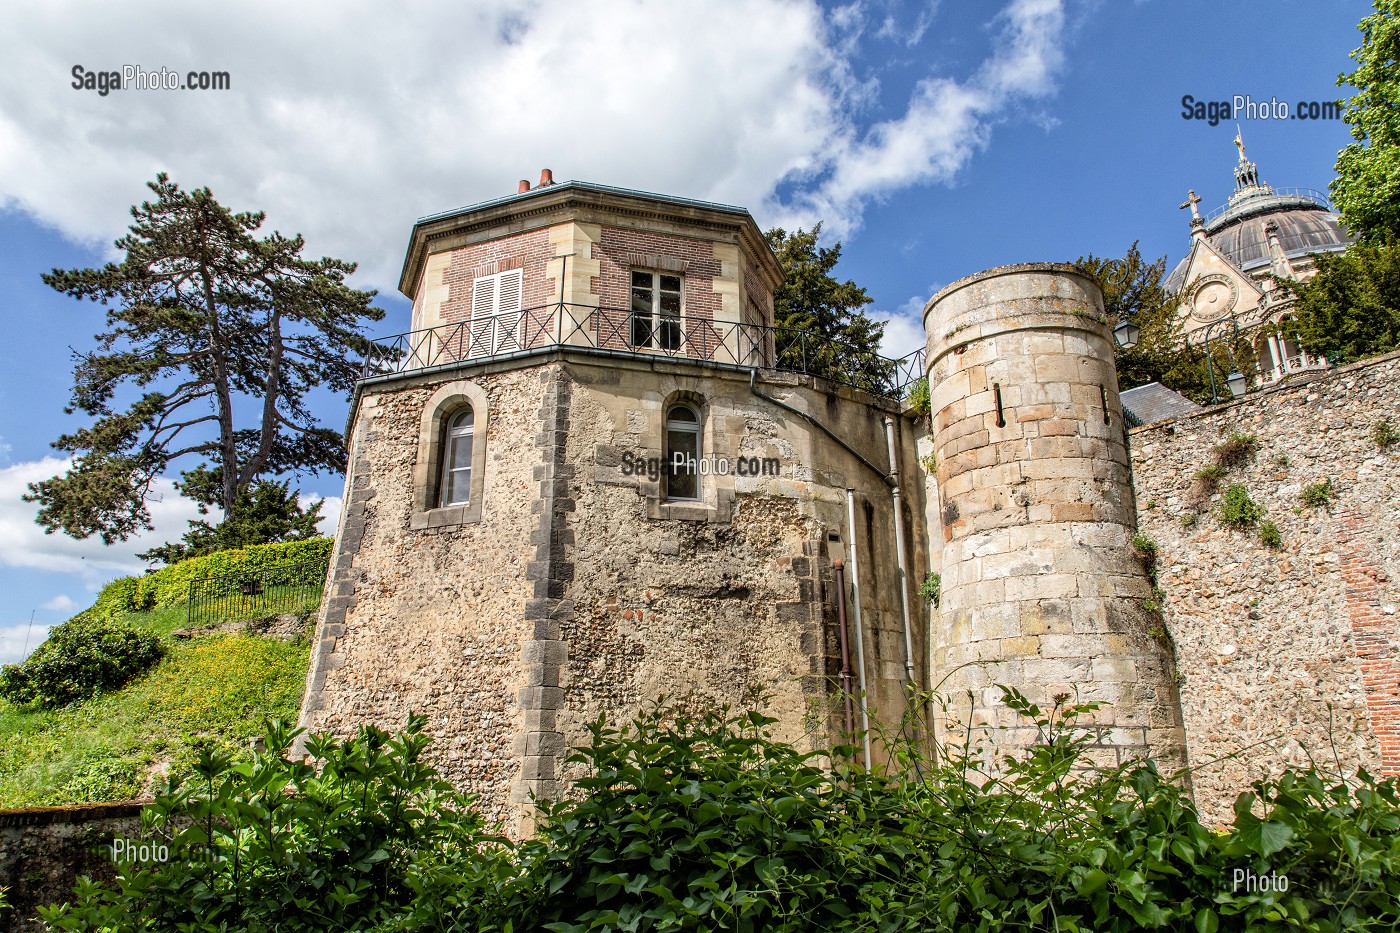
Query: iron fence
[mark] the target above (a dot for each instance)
(644, 335)
(256, 593)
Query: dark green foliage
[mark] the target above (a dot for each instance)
(918, 400)
(224, 336)
(365, 834)
(1237, 509)
(814, 303)
(932, 588)
(1317, 495)
(1269, 535)
(80, 659)
(169, 586)
(1132, 290)
(706, 823)
(266, 512)
(1236, 450)
(1350, 309)
(1383, 434)
(1367, 187)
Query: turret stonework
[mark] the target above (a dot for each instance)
(1042, 588)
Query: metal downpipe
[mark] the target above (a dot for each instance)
(855, 617)
(900, 556)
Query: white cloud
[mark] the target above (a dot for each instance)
(330, 513)
(19, 641)
(60, 603)
(946, 123)
(904, 328)
(24, 544)
(346, 122)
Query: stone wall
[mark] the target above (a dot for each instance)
(581, 592)
(1286, 653)
(43, 850)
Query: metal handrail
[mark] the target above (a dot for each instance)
(1307, 194)
(644, 336)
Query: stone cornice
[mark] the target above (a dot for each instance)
(584, 203)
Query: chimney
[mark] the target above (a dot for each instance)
(546, 178)
(524, 186)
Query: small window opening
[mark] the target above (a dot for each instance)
(682, 453)
(457, 459)
(1001, 418)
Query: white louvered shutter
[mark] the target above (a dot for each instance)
(483, 307)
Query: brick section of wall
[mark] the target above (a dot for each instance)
(540, 744)
(1287, 653)
(1375, 632)
(616, 251)
(528, 251)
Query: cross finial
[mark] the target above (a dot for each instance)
(1192, 199)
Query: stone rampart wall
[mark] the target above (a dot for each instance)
(1291, 652)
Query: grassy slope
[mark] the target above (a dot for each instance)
(210, 690)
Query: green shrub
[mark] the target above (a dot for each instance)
(1236, 508)
(918, 399)
(1269, 535)
(1235, 450)
(170, 586)
(364, 834)
(702, 821)
(80, 659)
(1317, 495)
(932, 588)
(1189, 519)
(1384, 434)
(1211, 474)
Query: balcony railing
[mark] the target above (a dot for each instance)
(643, 336)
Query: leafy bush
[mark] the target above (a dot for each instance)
(1236, 508)
(80, 659)
(918, 399)
(1269, 535)
(1235, 450)
(364, 835)
(932, 588)
(170, 586)
(1384, 434)
(707, 823)
(1317, 495)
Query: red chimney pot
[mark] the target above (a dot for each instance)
(546, 178)
(524, 186)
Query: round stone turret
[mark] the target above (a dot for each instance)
(1042, 587)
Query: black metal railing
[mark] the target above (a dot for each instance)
(256, 593)
(622, 331)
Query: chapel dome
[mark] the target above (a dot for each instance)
(1238, 230)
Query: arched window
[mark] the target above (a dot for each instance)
(456, 485)
(683, 453)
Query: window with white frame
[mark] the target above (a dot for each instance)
(683, 453)
(496, 305)
(456, 485)
(656, 309)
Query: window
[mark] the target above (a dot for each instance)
(682, 453)
(656, 310)
(456, 486)
(496, 302)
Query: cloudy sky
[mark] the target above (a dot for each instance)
(934, 138)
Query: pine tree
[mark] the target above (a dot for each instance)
(209, 324)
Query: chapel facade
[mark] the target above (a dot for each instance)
(1228, 281)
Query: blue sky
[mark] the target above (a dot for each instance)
(935, 139)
